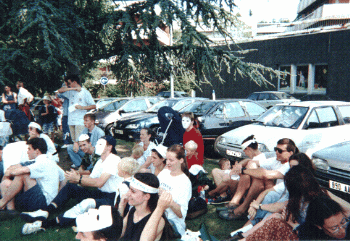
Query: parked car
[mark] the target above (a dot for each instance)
(271, 98)
(314, 97)
(333, 167)
(128, 128)
(35, 106)
(108, 114)
(103, 101)
(177, 94)
(311, 125)
(216, 117)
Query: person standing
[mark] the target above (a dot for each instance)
(9, 99)
(80, 101)
(24, 99)
(48, 117)
(65, 128)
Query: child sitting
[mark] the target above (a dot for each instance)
(137, 152)
(191, 154)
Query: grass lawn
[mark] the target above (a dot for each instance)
(10, 230)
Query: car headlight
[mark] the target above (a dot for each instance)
(132, 126)
(320, 164)
(222, 140)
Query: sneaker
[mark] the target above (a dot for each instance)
(30, 228)
(220, 200)
(34, 216)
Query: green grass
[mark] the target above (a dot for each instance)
(10, 230)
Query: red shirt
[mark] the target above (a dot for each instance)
(196, 136)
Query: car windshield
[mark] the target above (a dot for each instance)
(283, 116)
(102, 102)
(199, 107)
(115, 105)
(160, 104)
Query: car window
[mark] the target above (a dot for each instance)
(166, 94)
(253, 109)
(273, 97)
(345, 112)
(199, 107)
(135, 105)
(153, 100)
(114, 105)
(219, 112)
(263, 96)
(157, 106)
(283, 116)
(234, 110)
(321, 118)
(253, 96)
(181, 104)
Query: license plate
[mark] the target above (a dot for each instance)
(119, 132)
(233, 153)
(339, 186)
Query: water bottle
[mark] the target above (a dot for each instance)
(213, 95)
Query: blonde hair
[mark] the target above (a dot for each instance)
(191, 145)
(137, 150)
(129, 165)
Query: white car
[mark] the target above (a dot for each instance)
(311, 125)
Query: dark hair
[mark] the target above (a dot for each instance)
(304, 161)
(91, 116)
(302, 187)
(254, 145)
(290, 145)
(73, 77)
(151, 180)
(19, 83)
(38, 143)
(159, 155)
(180, 153)
(114, 231)
(320, 209)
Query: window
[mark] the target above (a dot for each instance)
(253, 96)
(219, 111)
(284, 79)
(234, 110)
(253, 109)
(321, 118)
(321, 73)
(264, 96)
(136, 105)
(345, 112)
(302, 78)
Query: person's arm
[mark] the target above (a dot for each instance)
(147, 163)
(65, 89)
(261, 173)
(176, 209)
(125, 222)
(4, 99)
(84, 180)
(274, 207)
(88, 107)
(244, 162)
(155, 224)
(20, 170)
(15, 98)
(46, 110)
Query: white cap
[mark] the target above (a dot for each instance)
(162, 150)
(46, 98)
(83, 137)
(195, 169)
(95, 219)
(35, 125)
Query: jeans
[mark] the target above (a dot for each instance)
(76, 158)
(65, 129)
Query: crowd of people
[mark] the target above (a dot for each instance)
(148, 195)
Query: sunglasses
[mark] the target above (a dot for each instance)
(279, 150)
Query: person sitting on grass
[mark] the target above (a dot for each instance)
(103, 176)
(90, 158)
(32, 186)
(158, 156)
(101, 224)
(143, 196)
(221, 175)
(137, 152)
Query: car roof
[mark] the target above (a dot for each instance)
(317, 103)
(270, 91)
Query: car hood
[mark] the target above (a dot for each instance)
(267, 135)
(138, 117)
(337, 155)
(101, 114)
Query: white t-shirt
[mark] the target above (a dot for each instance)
(181, 190)
(83, 98)
(273, 164)
(146, 153)
(48, 176)
(24, 94)
(110, 166)
(51, 149)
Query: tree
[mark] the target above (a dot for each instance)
(43, 39)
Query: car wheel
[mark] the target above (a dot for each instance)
(108, 129)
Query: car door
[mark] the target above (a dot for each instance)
(254, 110)
(322, 128)
(214, 121)
(235, 116)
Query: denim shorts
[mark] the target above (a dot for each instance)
(48, 127)
(31, 200)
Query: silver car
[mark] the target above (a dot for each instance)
(271, 98)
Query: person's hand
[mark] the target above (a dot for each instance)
(255, 204)
(72, 176)
(236, 169)
(77, 88)
(165, 200)
(251, 212)
(79, 107)
(75, 147)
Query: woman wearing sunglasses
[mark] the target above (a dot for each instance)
(325, 220)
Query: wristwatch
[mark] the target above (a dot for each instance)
(260, 206)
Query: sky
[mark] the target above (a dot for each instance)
(268, 9)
